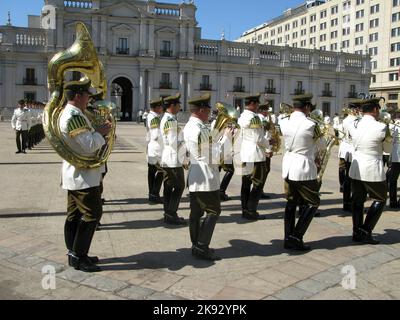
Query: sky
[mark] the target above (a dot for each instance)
(214, 16)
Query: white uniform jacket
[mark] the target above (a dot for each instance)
(21, 119)
(252, 138)
(346, 148)
(204, 152)
(154, 139)
(300, 137)
(370, 139)
(395, 130)
(78, 133)
(174, 151)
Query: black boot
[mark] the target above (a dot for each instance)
(194, 229)
(296, 240)
(373, 216)
(245, 192)
(290, 220)
(83, 240)
(207, 230)
(358, 220)
(203, 252)
(70, 229)
(342, 178)
(174, 219)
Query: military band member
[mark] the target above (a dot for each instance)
(300, 171)
(252, 155)
(370, 139)
(264, 114)
(154, 150)
(21, 123)
(83, 185)
(203, 178)
(346, 151)
(173, 155)
(394, 170)
(227, 165)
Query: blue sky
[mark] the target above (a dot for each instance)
(233, 16)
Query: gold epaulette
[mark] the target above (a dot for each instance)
(255, 123)
(77, 125)
(169, 125)
(155, 123)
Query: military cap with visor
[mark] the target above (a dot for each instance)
(252, 98)
(80, 87)
(172, 99)
(159, 102)
(202, 101)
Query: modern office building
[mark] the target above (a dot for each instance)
(353, 26)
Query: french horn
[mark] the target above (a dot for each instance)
(80, 57)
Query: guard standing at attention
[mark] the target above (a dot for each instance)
(154, 151)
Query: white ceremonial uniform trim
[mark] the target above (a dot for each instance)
(21, 120)
(368, 141)
(154, 139)
(86, 144)
(346, 148)
(203, 174)
(173, 153)
(395, 130)
(253, 142)
(299, 160)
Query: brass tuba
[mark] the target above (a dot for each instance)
(81, 57)
(228, 116)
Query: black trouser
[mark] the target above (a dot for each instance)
(155, 179)
(268, 168)
(200, 203)
(174, 185)
(345, 180)
(84, 212)
(304, 194)
(229, 172)
(21, 139)
(378, 192)
(250, 197)
(392, 178)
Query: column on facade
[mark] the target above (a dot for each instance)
(142, 89)
(143, 41)
(103, 35)
(95, 31)
(285, 57)
(285, 87)
(60, 30)
(190, 41)
(183, 39)
(9, 85)
(151, 44)
(150, 79)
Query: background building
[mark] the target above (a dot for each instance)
(355, 26)
(152, 49)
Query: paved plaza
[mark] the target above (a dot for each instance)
(144, 259)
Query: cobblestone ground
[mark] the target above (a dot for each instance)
(143, 259)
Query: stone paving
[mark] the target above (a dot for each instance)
(144, 259)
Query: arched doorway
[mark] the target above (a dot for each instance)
(122, 93)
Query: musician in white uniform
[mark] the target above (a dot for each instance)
(346, 151)
(21, 123)
(203, 178)
(370, 139)
(394, 170)
(154, 151)
(83, 185)
(252, 144)
(172, 159)
(299, 168)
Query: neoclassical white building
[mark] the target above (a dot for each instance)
(153, 49)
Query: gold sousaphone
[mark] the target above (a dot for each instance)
(81, 57)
